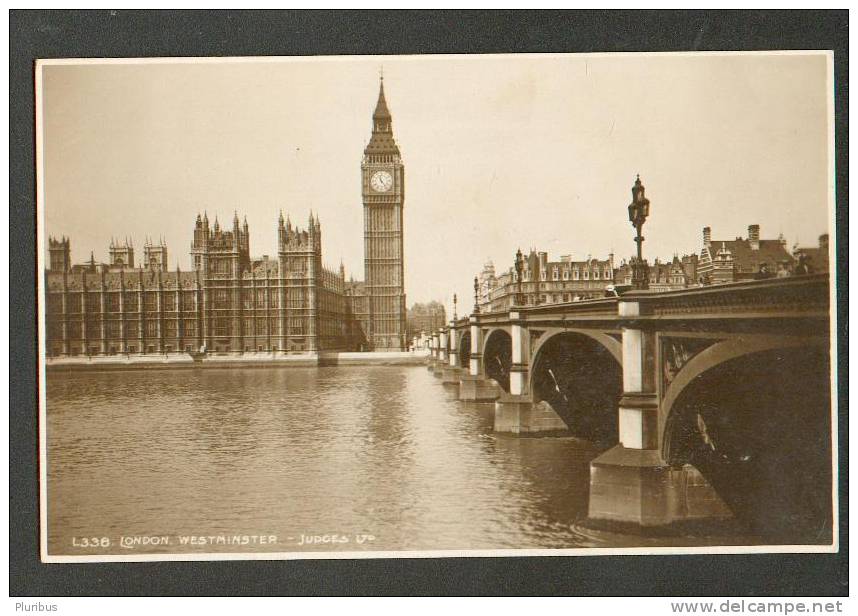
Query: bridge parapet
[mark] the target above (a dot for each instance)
(771, 298)
(602, 307)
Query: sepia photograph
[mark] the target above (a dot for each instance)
(436, 306)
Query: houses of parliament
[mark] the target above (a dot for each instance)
(231, 303)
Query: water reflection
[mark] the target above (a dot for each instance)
(386, 451)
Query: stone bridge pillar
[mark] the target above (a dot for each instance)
(433, 351)
(631, 483)
(454, 351)
(476, 348)
(452, 372)
(638, 407)
(473, 386)
(441, 355)
(519, 369)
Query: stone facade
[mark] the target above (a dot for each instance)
(679, 273)
(229, 303)
(545, 282)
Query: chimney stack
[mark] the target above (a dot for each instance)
(754, 236)
(707, 237)
(823, 242)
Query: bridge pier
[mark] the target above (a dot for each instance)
(631, 482)
(441, 360)
(433, 353)
(435, 345)
(519, 415)
(452, 372)
(474, 387)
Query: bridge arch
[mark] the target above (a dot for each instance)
(497, 356)
(579, 374)
(611, 344)
(753, 415)
(719, 353)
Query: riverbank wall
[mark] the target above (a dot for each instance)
(242, 360)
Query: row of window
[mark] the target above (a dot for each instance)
(133, 349)
(221, 298)
(548, 298)
(114, 302)
(576, 275)
(220, 327)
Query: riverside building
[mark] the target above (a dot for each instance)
(232, 303)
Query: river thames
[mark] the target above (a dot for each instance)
(296, 459)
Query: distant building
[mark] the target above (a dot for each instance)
(487, 282)
(742, 259)
(679, 273)
(425, 318)
(545, 282)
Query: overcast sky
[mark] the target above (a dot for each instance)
(499, 152)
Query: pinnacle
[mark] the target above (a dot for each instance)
(381, 110)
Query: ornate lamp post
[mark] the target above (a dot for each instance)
(476, 296)
(519, 265)
(638, 212)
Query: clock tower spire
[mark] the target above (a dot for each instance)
(381, 143)
(383, 191)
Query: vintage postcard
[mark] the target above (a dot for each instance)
(398, 306)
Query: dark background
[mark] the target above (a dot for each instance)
(62, 34)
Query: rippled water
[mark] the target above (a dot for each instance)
(386, 454)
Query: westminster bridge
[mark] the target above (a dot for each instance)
(711, 402)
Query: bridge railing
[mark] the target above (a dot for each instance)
(805, 295)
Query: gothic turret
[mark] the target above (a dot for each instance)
(121, 254)
(60, 254)
(155, 255)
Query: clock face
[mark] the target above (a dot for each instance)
(381, 181)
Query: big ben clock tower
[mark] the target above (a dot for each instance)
(383, 190)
